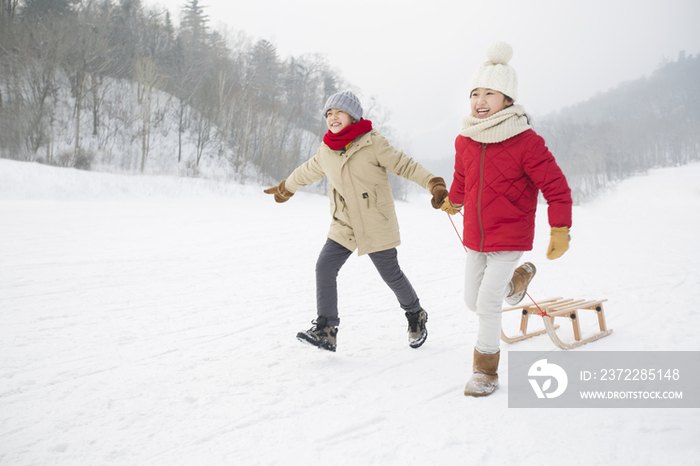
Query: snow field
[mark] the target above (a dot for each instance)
(151, 321)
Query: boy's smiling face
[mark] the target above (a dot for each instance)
(337, 120)
(487, 102)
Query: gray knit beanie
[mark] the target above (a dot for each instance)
(345, 101)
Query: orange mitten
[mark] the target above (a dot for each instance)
(450, 208)
(559, 242)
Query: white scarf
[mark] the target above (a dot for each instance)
(503, 125)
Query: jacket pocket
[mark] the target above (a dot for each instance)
(339, 208)
(385, 200)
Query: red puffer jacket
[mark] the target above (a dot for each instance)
(498, 185)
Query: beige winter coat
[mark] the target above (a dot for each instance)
(362, 206)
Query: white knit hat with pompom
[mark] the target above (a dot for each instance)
(496, 73)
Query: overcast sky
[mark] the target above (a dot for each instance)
(416, 58)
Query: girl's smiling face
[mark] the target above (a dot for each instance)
(487, 102)
(337, 120)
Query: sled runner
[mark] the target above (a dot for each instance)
(559, 307)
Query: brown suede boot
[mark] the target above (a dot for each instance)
(484, 380)
(522, 277)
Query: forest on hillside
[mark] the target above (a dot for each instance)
(649, 122)
(112, 85)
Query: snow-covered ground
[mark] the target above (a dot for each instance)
(151, 321)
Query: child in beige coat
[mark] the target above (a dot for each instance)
(355, 158)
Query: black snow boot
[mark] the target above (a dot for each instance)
(320, 335)
(417, 333)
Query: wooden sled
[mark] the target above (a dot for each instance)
(551, 308)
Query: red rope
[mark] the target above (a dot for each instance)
(457, 231)
(542, 313)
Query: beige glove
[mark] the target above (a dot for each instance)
(449, 207)
(559, 242)
(280, 192)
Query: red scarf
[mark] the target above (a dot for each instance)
(346, 136)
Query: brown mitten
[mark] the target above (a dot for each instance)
(280, 192)
(438, 189)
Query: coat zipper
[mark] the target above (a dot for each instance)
(481, 186)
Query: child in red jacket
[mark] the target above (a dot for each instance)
(501, 164)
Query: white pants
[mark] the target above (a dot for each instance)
(486, 284)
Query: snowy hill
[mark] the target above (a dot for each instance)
(151, 321)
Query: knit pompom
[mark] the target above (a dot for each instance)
(499, 53)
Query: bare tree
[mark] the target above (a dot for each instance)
(67, 67)
(149, 79)
(9, 8)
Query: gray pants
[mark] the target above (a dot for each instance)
(331, 260)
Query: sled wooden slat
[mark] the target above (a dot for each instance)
(559, 307)
(574, 306)
(526, 310)
(525, 306)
